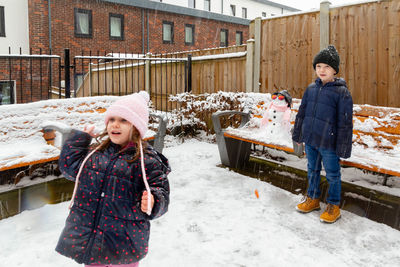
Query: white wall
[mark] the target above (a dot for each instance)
(16, 26)
(254, 9)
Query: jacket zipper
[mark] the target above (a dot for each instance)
(315, 108)
(98, 213)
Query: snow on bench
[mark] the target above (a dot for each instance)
(376, 138)
(27, 135)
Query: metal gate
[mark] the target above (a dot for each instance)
(27, 77)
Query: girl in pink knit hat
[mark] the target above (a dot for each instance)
(120, 185)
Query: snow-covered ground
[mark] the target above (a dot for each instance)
(215, 219)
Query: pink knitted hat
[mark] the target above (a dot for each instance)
(133, 108)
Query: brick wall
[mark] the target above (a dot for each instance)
(29, 76)
(62, 13)
(142, 33)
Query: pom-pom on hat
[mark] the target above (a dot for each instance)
(328, 56)
(133, 108)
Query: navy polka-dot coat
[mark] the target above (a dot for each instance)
(106, 224)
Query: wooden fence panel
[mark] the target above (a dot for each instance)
(287, 47)
(367, 36)
(213, 75)
(394, 54)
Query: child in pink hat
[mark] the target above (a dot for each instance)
(120, 185)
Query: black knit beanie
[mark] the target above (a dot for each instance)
(328, 56)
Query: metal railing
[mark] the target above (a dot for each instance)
(121, 74)
(37, 77)
(30, 77)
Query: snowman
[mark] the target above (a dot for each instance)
(276, 118)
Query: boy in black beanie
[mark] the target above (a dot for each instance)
(325, 124)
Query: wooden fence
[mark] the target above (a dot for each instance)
(281, 49)
(213, 70)
(366, 35)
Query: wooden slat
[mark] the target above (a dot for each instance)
(44, 160)
(369, 167)
(25, 164)
(377, 111)
(284, 148)
(388, 130)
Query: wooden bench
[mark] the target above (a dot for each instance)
(376, 135)
(34, 132)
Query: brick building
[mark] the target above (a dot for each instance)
(135, 26)
(103, 26)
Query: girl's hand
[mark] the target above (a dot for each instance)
(90, 130)
(145, 199)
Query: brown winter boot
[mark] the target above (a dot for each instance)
(308, 205)
(331, 214)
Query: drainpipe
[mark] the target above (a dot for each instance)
(142, 30)
(49, 6)
(222, 6)
(147, 22)
(50, 47)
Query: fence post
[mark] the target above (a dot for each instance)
(67, 76)
(189, 73)
(249, 65)
(147, 73)
(257, 54)
(324, 24)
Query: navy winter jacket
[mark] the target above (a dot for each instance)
(325, 117)
(106, 224)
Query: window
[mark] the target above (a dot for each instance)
(192, 3)
(207, 6)
(233, 10)
(116, 26)
(168, 32)
(7, 92)
(263, 14)
(78, 80)
(239, 38)
(244, 12)
(224, 38)
(189, 34)
(2, 23)
(83, 23)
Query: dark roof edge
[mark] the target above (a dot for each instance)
(181, 10)
(277, 5)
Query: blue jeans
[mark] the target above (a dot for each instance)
(332, 169)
